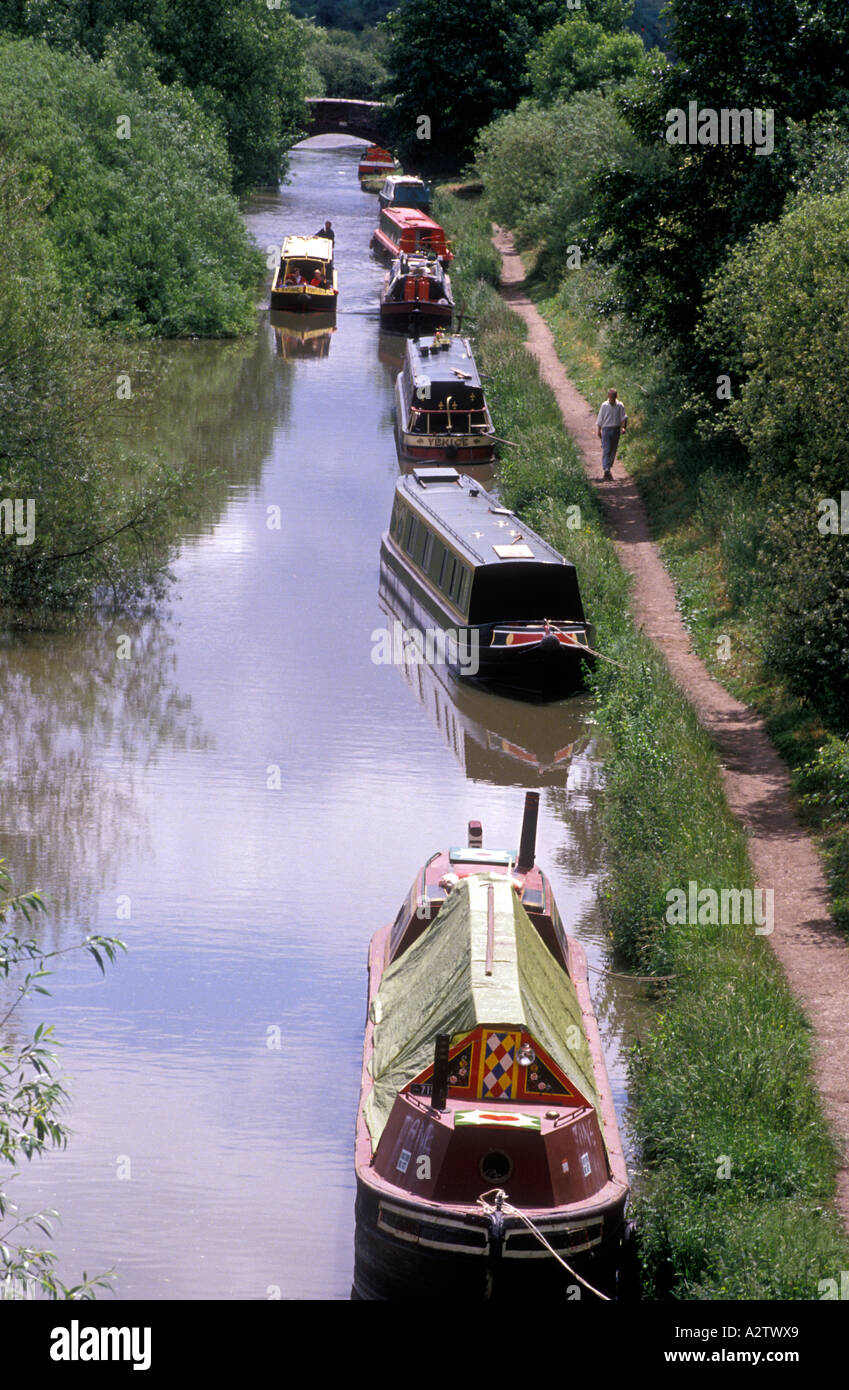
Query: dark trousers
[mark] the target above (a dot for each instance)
(609, 444)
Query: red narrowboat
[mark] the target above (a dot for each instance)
(486, 1135)
(406, 230)
(416, 290)
(376, 160)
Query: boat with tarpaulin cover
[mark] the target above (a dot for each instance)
(485, 1102)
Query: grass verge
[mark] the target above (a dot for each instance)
(735, 1194)
(705, 518)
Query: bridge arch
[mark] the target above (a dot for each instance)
(344, 116)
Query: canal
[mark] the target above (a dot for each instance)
(244, 795)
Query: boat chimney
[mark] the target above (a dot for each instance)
(527, 846)
(439, 1085)
(475, 834)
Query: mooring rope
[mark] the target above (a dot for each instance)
(639, 979)
(505, 1206)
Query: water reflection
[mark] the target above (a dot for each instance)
(507, 743)
(299, 337)
(69, 822)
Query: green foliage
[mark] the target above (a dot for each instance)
(668, 225)
(103, 521)
(460, 68)
(30, 1100)
(824, 781)
(136, 179)
(776, 313)
(805, 581)
(347, 64)
(740, 1165)
(540, 167)
(243, 60)
(794, 57)
(579, 56)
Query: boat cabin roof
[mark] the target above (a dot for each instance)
(411, 217)
(484, 531)
(481, 962)
(444, 360)
(410, 180)
(317, 248)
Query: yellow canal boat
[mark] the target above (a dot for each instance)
(305, 279)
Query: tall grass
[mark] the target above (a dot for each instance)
(738, 1167)
(710, 520)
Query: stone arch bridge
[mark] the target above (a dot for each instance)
(341, 116)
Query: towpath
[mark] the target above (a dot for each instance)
(814, 955)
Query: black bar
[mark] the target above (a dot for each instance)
(439, 1088)
(527, 848)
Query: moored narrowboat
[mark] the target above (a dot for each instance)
(376, 160)
(305, 280)
(405, 191)
(505, 604)
(416, 290)
(485, 1097)
(408, 231)
(441, 413)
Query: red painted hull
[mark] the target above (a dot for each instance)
(384, 247)
(408, 1247)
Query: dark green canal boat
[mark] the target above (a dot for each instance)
(505, 601)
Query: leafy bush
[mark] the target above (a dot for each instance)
(243, 61)
(136, 179)
(102, 521)
(579, 56)
(777, 314)
(540, 166)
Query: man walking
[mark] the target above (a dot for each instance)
(612, 421)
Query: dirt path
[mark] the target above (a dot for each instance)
(814, 955)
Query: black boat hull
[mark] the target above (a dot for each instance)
(440, 1256)
(545, 671)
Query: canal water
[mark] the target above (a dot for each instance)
(244, 795)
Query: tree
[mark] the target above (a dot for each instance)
(776, 317)
(580, 56)
(539, 166)
(243, 60)
(88, 520)
(458, 68)
(792, 55)
(30, 1100)
(348, 66)
(669, 223)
